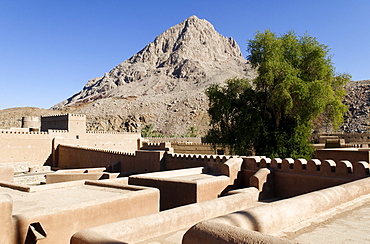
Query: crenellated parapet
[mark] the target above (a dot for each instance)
(180, 161)
(71, 122)
(15, 132)
(57, 131)
(99, 150)
(194, 143)
(108, 132)
(327, 168)
(64, 115)
(175, 139)
(201, 157)
(156, 146)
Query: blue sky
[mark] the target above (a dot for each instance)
(50, 49)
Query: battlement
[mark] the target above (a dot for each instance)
(23, 132)
(63, 115)
(200, 157)
(108, 132)
(99, 150)
(156, 146)
(328, 168)
(175, 139)
(71, 122)
(58, 131)
(348, 137)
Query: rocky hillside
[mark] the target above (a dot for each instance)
(164, 83)
(358, 101)
(180, 113)
(186, 57)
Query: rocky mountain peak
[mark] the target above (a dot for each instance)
(183, 42)
(187, 56)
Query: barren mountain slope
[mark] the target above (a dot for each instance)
(164, 83)
(180, 113)
(358, 101)
(188, 56)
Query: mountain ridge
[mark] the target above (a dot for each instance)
(187, 56)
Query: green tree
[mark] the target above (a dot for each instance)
(192, 132)
(273, 115)
(148, 131)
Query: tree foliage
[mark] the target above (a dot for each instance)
(148, 131)
(273, 114)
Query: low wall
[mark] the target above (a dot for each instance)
(156, 159)
(350, 154)
(174, 139)
(145, 227)
(181, 187)
(71, 157)
(348, 137)
(79, 174)
(62, 221)
(181, 161)
(294, 177)
(276, 216)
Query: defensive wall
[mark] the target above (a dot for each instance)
(340, 182)
(37, 147)
(203, 180)
(190, 145)
(270, 178)
(70, 122)
(151, 157)
(304, 176)
(339, 154)
(349, 138)
(287, 177)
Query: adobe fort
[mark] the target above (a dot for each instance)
(61, 184)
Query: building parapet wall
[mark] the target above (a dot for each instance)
(294, 177)
(274, 217)
(57, 131)
(149, 226)
(2, 131)
(108, 132)
(63, 115)
(99, 150)
(175, 139)
(329, 168)
(70, 122)
(180, 161)
(70, 157)
(348, 137)
(165, 146)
